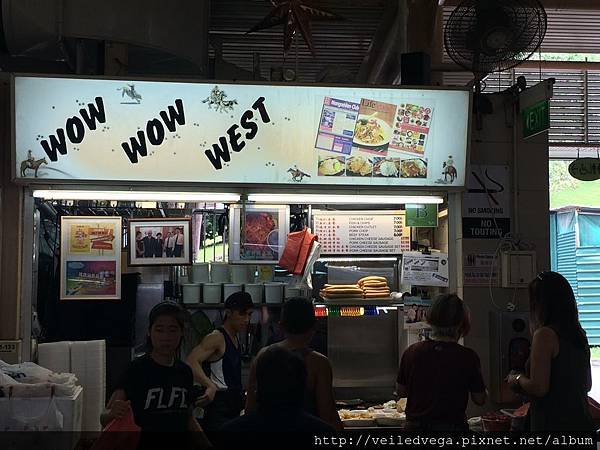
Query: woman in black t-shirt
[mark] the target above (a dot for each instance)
(438, 375)
(157, 386)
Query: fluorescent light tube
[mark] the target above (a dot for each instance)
(344, 199)
(217, 197)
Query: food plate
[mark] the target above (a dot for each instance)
(372, 132)
(413, 168)
(332, 166)
(354, 423)
(386, 167)
(389, 420)
(360, 166)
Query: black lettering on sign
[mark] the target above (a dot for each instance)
(137, 146)
(234, 137)
(248, 125)
(173, 116)
(155, 130)
(221, 151)
(75, 129)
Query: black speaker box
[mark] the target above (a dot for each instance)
(415, 69)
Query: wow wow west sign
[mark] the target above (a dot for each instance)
(128, 130)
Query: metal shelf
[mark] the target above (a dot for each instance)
(222, 305)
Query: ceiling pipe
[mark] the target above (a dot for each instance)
(381, 65)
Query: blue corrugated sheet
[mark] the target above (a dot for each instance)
(566, 256)
(579, 265)
(588, 291)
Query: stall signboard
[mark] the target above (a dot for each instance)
(425, 215)
(361, 232)
(422, 269)
(486, 204)
(108, 130)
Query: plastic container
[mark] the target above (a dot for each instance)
(231, 288)
(240, 273)
(256, 291)
(212, 293)
(273, 293)
(219, 272)
(191, 293)
(199, 273)
(291, 292)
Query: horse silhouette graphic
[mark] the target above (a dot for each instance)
(129, 91)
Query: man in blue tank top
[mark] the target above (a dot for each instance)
(217, 364)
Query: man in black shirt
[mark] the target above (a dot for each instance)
(280, 391)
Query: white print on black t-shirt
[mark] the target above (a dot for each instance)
(154, 398)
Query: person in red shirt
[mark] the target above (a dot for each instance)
(437, 375)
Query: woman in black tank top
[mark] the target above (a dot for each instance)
(559, 375)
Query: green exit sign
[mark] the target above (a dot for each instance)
(536, 118)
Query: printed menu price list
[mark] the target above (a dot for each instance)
(362, 234)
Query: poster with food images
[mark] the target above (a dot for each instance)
(258, 233)
(387, 141)
(92, 239)
(90, 258)
(373, 129)
(412, 124)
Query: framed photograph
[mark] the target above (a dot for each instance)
(90, 258)
(160, 242)
(258, 233)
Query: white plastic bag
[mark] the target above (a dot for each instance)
(36, 381)
(29, 414)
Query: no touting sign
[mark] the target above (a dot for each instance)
(486, 204)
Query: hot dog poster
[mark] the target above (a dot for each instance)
(92, 239)
(199, 132)
(90, 245)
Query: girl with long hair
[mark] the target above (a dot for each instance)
(559, 374)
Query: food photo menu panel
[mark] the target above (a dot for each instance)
(373, 139)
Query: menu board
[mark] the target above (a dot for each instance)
(361, 233)
(382, 140)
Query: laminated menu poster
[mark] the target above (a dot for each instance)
(361, 233)
(336, 128)
(425, 270)
(373, 129)
(258, 233)
(412, 125)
